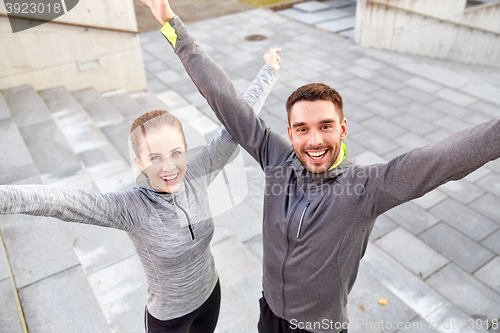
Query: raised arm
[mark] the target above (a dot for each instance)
(217, 153)
(119, 210)
(251, 132)
(421, 170)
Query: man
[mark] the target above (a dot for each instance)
(319, 208)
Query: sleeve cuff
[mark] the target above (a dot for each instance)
(169, 32)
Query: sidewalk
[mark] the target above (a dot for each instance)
(434, 259)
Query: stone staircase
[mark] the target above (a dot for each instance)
(68, 277)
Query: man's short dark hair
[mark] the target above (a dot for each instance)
(314, 92)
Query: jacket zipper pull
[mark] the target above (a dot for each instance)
(302, 219)
(187, 217)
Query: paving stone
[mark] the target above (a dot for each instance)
(355, 127)
(490, 183)
(240, 276)
(396, 73)
(126, 105)
(387, 82)
(242, 221)
(466, 292)
(156, 86)
(360, 72)
(464, 219)
(414, 254)
(305, 73)
(486, 108)
(382, 109)
(374, 142)
(430, 199)
(451, 123)
(10, 316)
(417, 95)
(410, 289)
(37, 247)
(492, 242)
(493, 165)
(370, 64)
(460, 249)
(16, 162)
(441, 75)
(101, 112)
(355, 112)
(449, 108)
(421, 111)
(414, 124)
(382, 226)
(488, 206)
(462, 191)
(155, 66)
(411, 141)
(311, 6)
(4, 263)
(412, 217)
(362, 85)
(395, 153)
(369, 315)
(4, 109)
(438, 135)
(353, 149)
(353, 95)
(53, 156)
(423, 84)
(256, 247)
(456, 97)
(490, 274)
(449, 316)
(167, 76)
(121, 291)
(368, 157)
(26, 107)
(62, 302)
(476, 118)
(476, 175)
(390, 98)
(483, 90)
(383, 127)
(337, 73)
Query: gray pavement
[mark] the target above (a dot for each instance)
(434, 259)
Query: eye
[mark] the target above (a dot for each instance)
(326, 127)
(176, 153)
(155, 158)
(302, 130)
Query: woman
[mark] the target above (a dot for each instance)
(166, 215)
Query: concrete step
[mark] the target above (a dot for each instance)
(125, 105)
(53, 156)
(101, 112)
(98, 155)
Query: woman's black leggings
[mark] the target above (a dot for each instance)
(202, 320)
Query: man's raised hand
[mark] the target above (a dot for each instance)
(272, 58)
(160, 9)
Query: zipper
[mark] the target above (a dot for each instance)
(288, 252)
(185, 213)
(302, 219)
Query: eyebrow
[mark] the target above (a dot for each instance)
(177, 148)
(324, 121)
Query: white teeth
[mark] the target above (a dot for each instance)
(170, 177)
(316, 154)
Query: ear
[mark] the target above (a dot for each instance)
(343, 130)
(289, 131)
(138, 162)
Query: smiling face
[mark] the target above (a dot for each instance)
(162, 157)
(316, 133)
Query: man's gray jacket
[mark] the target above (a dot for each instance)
(316, 226)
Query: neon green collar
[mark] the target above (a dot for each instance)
(343, 151)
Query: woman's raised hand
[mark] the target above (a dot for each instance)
(160, 9)
(272, 58)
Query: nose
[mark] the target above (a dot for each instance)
(167, 165)
(315, 139)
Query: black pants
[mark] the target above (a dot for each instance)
(270, 323)
(202, 320)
